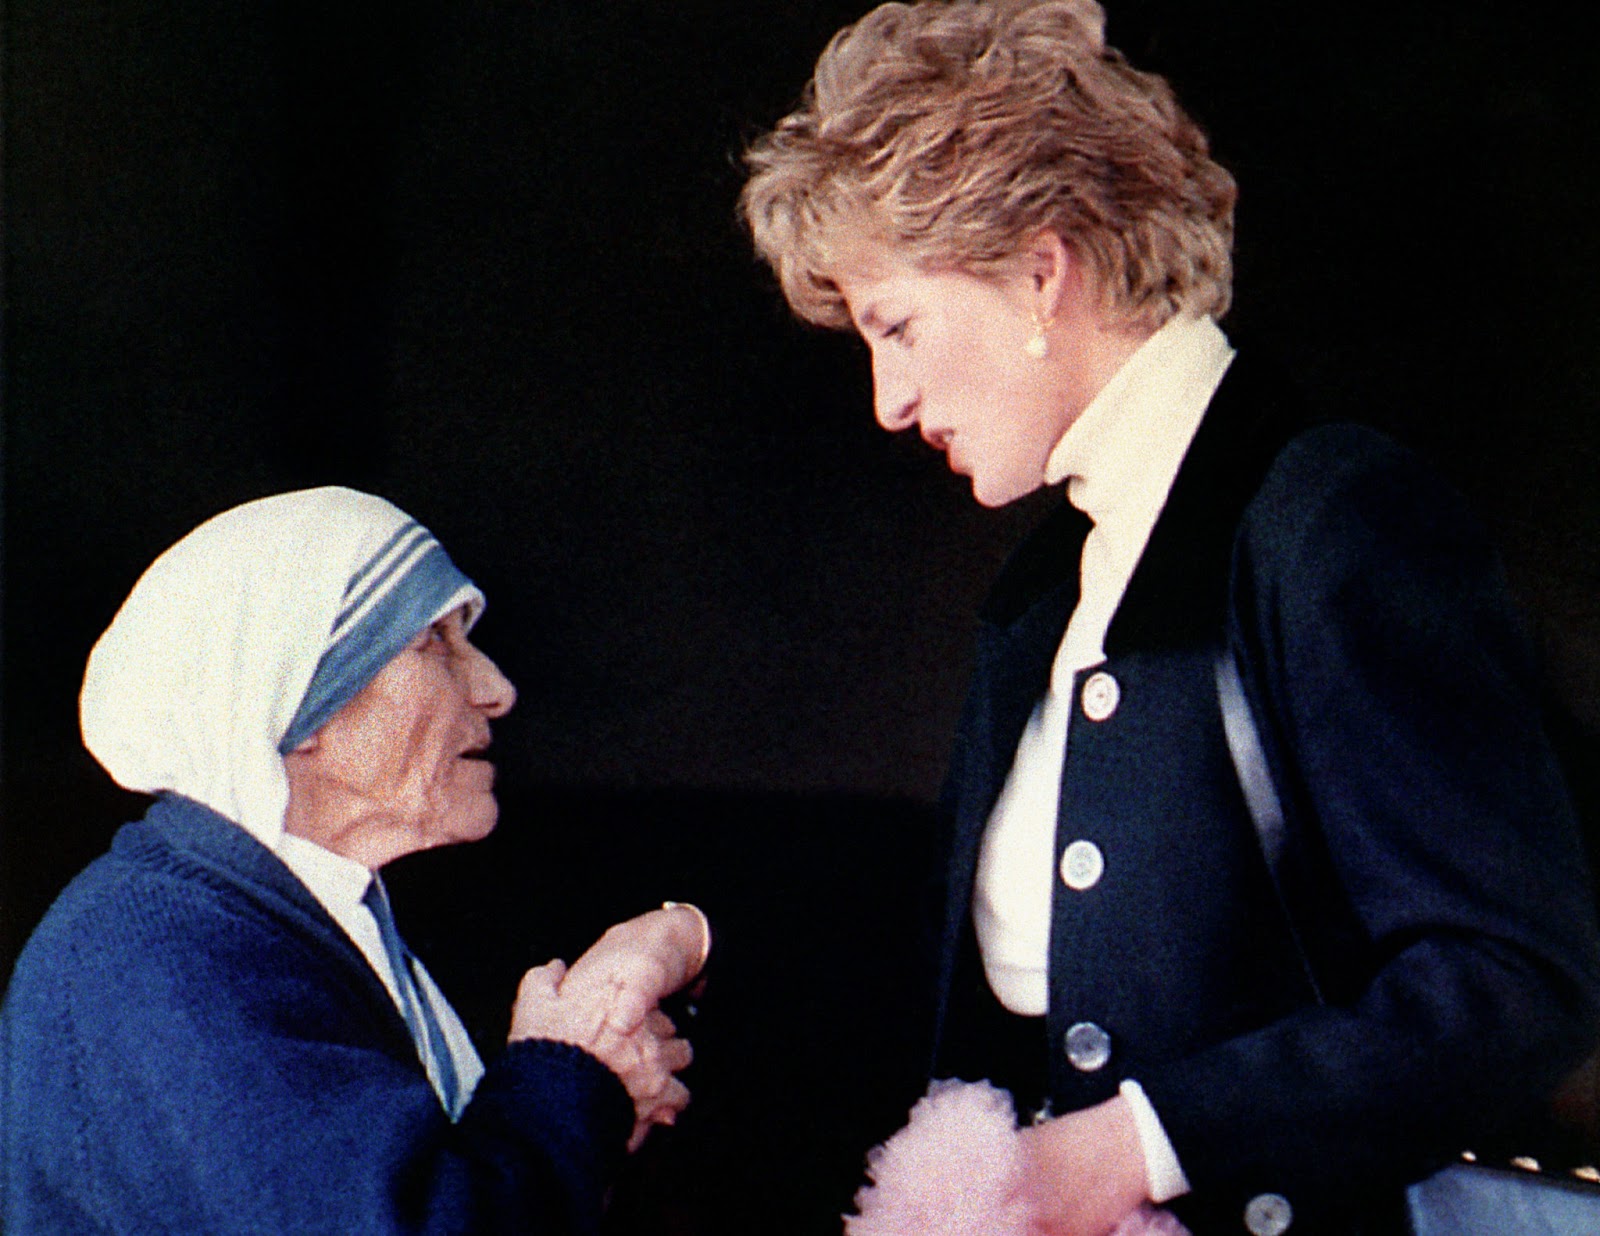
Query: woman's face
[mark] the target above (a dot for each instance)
(947, 357)
(407, 752)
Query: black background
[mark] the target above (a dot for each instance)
(482, 258)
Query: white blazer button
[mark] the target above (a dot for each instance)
(1101, 694)
(1088, 1047)
(1268, 1214)
(1082, 865)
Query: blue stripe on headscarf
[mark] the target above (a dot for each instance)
(354, 659)
(409, 527)
(395, 553)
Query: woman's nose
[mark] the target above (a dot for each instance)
(490, 690)
(894, 400)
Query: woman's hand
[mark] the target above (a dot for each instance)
(644, 1059)
(1086, 1171)
(606, 1003)
(638, 963)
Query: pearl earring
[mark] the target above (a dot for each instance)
(1037, 347)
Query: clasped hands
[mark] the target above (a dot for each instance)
(607, 1002)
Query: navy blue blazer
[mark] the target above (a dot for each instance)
(1437, 855)
(190, 1043)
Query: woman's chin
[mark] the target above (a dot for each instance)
(995, 492)
(470, 820)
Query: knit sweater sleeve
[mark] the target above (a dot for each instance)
(175, 1056)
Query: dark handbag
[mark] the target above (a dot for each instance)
(1465, 1199)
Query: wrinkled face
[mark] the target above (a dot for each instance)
(410, 746)
(947, 357)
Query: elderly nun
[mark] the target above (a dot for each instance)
(217, 1027)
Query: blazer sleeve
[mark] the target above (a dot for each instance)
(1380, 637)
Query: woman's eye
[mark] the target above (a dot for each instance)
(897, 331)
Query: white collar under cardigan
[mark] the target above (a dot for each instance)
(340, 884)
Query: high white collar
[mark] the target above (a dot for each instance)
(1135, 431)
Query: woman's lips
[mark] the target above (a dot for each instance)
(944, 440)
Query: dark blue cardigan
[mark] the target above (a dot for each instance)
(190, 1044)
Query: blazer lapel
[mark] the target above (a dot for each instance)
(1178, 595)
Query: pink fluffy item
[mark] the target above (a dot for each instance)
(956, 1169)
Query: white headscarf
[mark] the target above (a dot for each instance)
(248, 634)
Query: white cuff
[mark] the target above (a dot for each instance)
(1161, 1168)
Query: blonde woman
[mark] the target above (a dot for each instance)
(1034, 242)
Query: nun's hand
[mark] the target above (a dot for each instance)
(638, 963)
(645, 1059)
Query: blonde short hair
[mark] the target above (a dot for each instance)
(952, 131)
